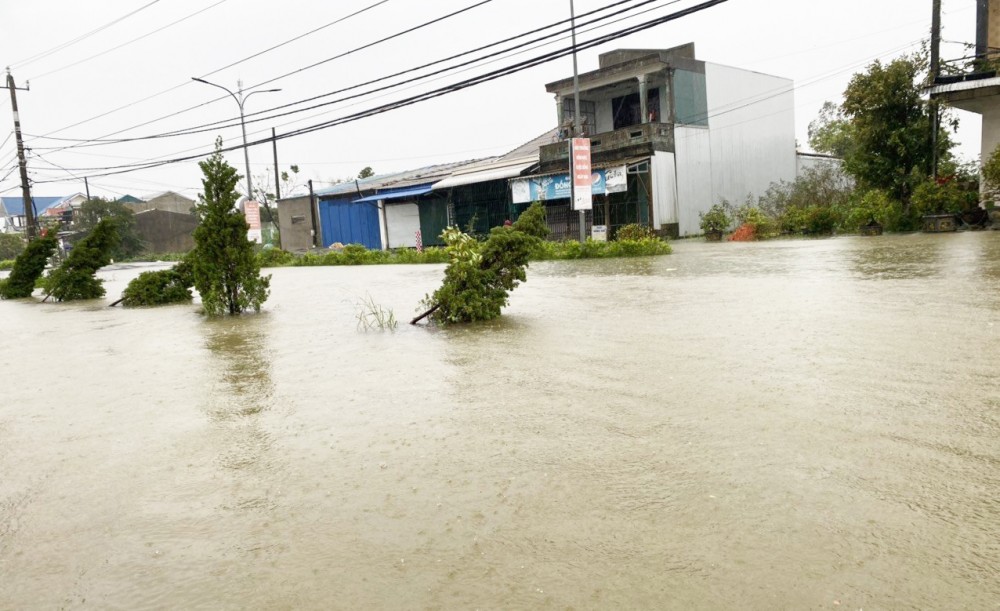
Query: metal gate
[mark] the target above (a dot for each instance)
(348, 222)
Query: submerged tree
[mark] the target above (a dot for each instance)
(480, 275)
(28, 267)
(224, 264)
(77, 277)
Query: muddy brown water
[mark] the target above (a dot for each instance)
(794, 424)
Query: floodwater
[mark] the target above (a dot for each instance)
(790, 424)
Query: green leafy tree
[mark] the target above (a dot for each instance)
(96, 209)
(366, 172)
(77, 277)
(889, 127)
(831, 132)
(28, 267)
(224, 264)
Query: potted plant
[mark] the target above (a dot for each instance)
(715, 222)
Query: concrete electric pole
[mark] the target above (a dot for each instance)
(29, 205)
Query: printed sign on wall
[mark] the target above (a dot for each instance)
(557, 186)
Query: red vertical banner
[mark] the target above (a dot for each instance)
(581, 172)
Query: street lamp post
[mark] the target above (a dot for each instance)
(240, 100)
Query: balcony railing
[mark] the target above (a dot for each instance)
(632, 141)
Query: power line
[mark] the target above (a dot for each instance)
(125, 44)
(327, 60)
(226, 123)
(490, 76)
(520, 49)
(57, 48)
(185, 83)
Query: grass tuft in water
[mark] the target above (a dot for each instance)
(373, 317)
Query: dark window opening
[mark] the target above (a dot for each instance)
(628, 111)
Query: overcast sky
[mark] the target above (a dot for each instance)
(117, 69)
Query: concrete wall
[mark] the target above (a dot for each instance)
(164, 231)
(296, 225)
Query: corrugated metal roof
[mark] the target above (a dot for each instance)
(397, 194)
(486, 171)
(422, 175)
(531, 147)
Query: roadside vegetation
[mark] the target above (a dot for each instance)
(632, 241)
(882, 133)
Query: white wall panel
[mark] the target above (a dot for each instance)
(752, 125)
(664, 189)
(694, 176)
(402, 223)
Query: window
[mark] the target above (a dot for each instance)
(588, 115)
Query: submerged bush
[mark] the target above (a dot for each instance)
(572, 249)
(160, 287)
(634, 231)
(717, 219)
(274, 257)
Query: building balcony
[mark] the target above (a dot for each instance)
(620, 144)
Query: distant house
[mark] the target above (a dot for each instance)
(129, 199)
(65, 209)
(14, 220)
(168, 201)
(670, 135)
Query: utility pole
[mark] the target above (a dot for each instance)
(576, 122)
(277, 174)
(312, 214)
(29, 204)
(935, 72)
